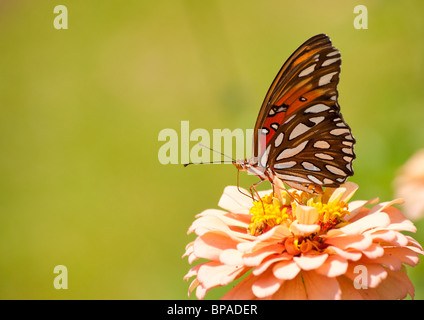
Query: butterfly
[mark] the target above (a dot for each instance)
(300, 136)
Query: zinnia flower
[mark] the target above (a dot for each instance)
(303, 246)
(409, 185)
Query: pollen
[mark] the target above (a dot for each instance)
(270, 211)
(267, 213)
(330, 214)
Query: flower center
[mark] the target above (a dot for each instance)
(331, 214)
(267, 213)
(270, 211)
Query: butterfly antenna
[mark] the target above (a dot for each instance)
(202, 145)
(222, 161)
(213, 162)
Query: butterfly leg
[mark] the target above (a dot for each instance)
(238, 185)
(243, 193)
(278, 186)
(253, 189)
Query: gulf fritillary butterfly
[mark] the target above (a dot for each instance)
(300, 136)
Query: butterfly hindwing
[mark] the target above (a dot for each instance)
(314, 149)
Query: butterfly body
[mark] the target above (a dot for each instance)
(300, 136)
(254, 168)
(251, 166)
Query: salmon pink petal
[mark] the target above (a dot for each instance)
(374, 220)
(319, 287)
(356, 205)
(249, 246)
(211, 212)
(415, 249)
(230, 276)
(351, 188)
(192, 272)
(398, 221)
(374, 251)
(332, 267)
(384, 205)
(255, 258)
(232, 219)
(267, 262)
(233, 202)
(286, 270)
(357, 215)
(388, 237)
(382, 234)
(243, 290)
(266, 285)
(208, 223)
(369, 294)
(415, 244)
(369, 275)
(356, 208)
(393, 263)
(291, 290)
(278, 187)
(211, 244)
(348, 255)
(231, 257)
(334, 233)
(193, 285)
(212, 223)
(401, 240)
(310, 261)
(349, 292)
(405, 255)
(303, 229)
(201, 292)
(396, 286)
(212, 274)
(306, 215)
(356, 241)
(189, 250)
(337, 195)
(241, 220)
(192, 257)
(276, 233)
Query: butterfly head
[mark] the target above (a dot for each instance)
(241, 164)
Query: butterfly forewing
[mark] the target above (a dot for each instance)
(305, 139)
(295, 81)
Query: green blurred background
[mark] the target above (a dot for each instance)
(81, 110)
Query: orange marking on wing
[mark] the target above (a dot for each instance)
(278, 118)
(306, 56)
(292, 97)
